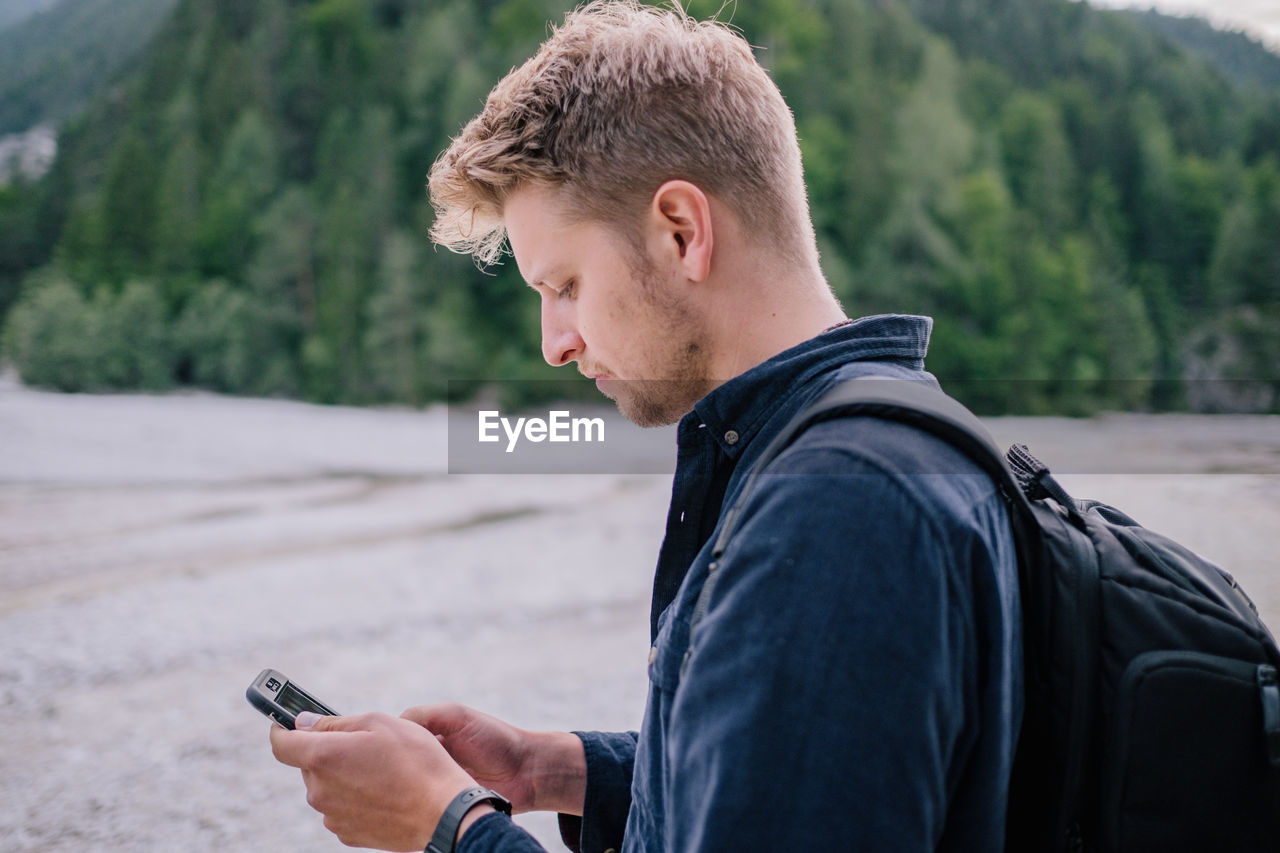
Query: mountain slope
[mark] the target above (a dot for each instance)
(1236, 54)
(54, 62)
(14, 11)
(1087, 210)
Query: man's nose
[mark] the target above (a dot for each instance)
(561, 342)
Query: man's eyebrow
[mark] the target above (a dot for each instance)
(542, 278)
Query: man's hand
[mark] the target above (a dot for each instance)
(379, 781)
(536, 771)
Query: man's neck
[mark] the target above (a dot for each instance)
(768, 318)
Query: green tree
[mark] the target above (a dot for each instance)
(283, 270)
(331, 354)
(178, 204)
(975, 343)
(130, 338)
(128, 214)
(1245, 267)
(247, 174)
(1037, 161)
(48, 336)
(234, 342)
(934, 142)
(392, 339)
(227, 86)
(19, 237)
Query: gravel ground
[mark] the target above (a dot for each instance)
(157, 552)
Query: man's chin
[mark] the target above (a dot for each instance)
(607, 387)
(646, 418)
(651, 403)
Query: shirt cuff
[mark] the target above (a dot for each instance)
(610, 761)
(496, 832)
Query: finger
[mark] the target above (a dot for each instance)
(441, 720)
(289, 748)
(306, 720)
(300, 747)
(353, 723)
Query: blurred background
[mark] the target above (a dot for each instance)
(224, 337)
(229, 194)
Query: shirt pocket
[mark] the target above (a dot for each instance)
(667, 656)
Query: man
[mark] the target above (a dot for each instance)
(854, 679)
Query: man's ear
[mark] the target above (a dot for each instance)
(680, 224)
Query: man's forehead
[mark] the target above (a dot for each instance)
(540, 200)
(546, 239)
(532, 218)
(544, 267)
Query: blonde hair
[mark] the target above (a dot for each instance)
(620, 99)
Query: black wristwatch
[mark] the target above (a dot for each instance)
(447, 828)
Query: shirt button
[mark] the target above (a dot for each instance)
(731, 437)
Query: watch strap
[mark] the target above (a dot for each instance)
(447, 829)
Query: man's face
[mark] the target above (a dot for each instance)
(609, 307)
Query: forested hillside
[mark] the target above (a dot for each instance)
(14, 11)
(1238, 55)
(52, 63)
(1090, 213)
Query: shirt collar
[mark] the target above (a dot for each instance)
(735, 411)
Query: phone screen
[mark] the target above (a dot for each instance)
(294, 701)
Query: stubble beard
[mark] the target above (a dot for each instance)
(684, 369)
(660, 402)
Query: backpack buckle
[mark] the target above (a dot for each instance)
(1269, 688)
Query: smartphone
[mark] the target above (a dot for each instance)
(282, 700)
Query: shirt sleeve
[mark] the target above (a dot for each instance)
(824, 701)
(496, 833)
(610, 761)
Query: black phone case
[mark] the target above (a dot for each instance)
(258, 698)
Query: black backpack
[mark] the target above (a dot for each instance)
(1152, 718)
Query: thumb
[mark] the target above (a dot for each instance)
(305, 721)
(308, 721)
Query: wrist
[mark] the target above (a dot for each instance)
(463, 811)
(559, 772)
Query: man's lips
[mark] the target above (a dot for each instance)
(602, 381)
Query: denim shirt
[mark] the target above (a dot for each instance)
(856, 680)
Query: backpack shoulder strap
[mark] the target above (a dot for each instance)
(905, 401)
(1036, 802)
